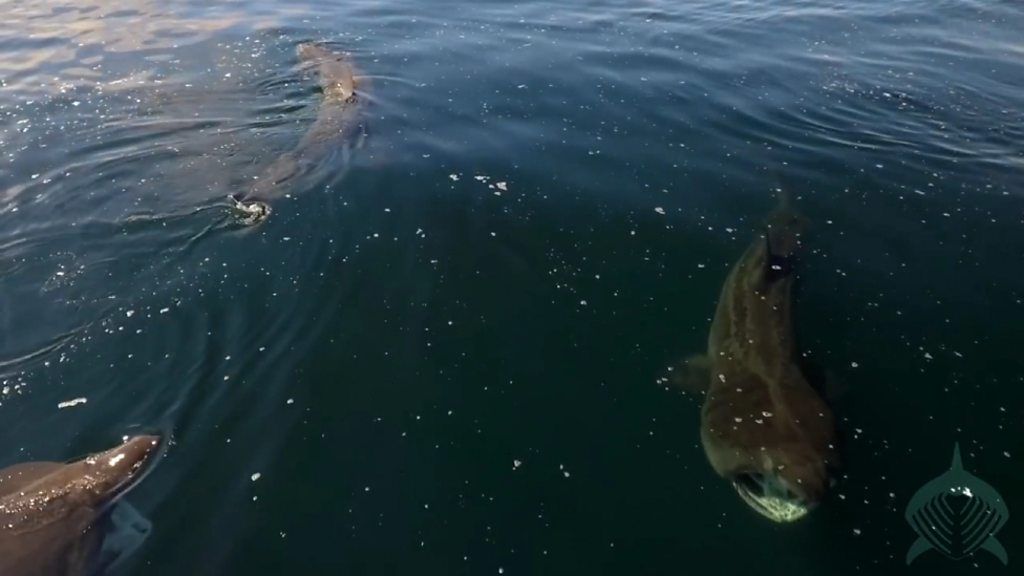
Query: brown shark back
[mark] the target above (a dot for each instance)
(51, 515)
(337, 116)
(18, 476)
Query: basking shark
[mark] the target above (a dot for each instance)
(336, 120)
(56, 519)
(763, 427)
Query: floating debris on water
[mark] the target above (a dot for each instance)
(71, 403)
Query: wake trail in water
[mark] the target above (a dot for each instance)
(48, 349)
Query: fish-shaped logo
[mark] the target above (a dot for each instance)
(957, 514)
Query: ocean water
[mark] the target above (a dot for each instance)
(442, 352)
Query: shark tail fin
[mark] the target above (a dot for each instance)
(781, 190)
(783, 227)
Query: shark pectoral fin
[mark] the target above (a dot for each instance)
(824, 380)
(833, 388)
(692, 375)
(127, 531)
(919, 547)
(996, 548)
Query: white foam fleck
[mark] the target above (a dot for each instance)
(71, 403)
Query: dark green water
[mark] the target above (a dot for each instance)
(399, 334)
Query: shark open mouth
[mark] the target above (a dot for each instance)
(770, 497)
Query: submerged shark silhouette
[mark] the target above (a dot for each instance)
(54, 518)
(336, 118)
(763, 427)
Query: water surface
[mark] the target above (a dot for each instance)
(547, 203)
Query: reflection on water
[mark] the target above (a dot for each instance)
(75, 40)
(441, 353)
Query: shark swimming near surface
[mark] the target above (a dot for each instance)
(764, 428)
(64, 519)
(337, 118)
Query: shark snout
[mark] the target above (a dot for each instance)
(112, 472)
(311, 50)
(337, 76)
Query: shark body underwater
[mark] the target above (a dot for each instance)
(337, 119)
(763, 427)
(58, 519)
